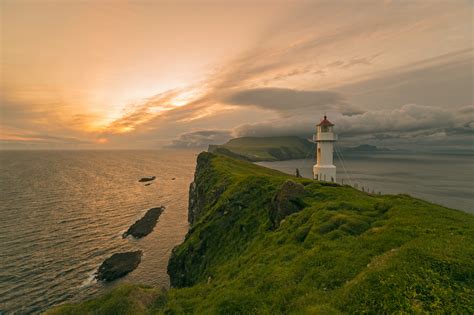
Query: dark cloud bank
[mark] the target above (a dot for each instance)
(292, 101)
(408, 124)
(299, 111)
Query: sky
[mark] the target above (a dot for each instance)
(109, 74)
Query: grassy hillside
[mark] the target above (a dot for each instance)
(265, 149)
(262, 242)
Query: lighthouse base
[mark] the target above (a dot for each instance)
(325, 173)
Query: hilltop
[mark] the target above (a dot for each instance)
(263, 242)
(258, 149)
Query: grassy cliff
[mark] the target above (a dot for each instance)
(262, 242)
(257, 149)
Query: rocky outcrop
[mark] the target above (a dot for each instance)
(146, 179)
(288, 200)
(203, 191)
(193, 203)
(145, 225)
(118, 265)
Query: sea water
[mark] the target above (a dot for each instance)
(440, 178)
(62, 213)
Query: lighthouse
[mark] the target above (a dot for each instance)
(324, 168)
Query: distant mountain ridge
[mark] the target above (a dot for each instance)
(365, 148)
(257, 149)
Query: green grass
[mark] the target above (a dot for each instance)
(265, 148)
(346, 252)
(125, 299)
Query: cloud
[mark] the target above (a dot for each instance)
(446, 79)
(323, 59)
(303, 64)
(55, 139)
(289, 100)
(39, 141)
(23, 125)
(410, 121)
(200, 138)
(367, 61)
(406, 119)
(139, 113)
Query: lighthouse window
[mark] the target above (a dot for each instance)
(324, 128)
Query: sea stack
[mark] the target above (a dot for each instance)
(145, 225)
(118, 265)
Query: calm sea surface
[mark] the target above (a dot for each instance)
(444, 179)
(63, 212)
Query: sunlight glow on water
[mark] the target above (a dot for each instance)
(64, 212)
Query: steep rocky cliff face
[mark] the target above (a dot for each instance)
(205, 189)
(204, 192)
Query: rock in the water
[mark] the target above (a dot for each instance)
(118, 265)
(146, 179)
(287, 201)
(145, 225)
(173, 178)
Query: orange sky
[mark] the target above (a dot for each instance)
(119, 74)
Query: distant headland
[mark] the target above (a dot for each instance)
(258, 149)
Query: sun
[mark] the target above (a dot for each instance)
(102, 140)
(185, 97)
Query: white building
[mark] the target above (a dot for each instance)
(325, 138)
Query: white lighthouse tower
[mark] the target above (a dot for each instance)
(325, 138)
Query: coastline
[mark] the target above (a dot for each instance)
(377, 236)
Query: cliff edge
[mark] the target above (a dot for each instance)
(266, 242)
(262, 242)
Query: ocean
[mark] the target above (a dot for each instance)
(440, 178)
(63, 212)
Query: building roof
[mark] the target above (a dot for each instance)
(325, 122)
